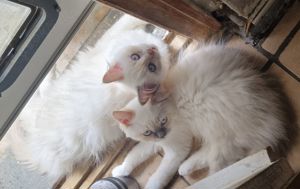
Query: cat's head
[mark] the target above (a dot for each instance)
(143, 123)
(141, 67)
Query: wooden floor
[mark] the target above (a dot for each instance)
(287, 69)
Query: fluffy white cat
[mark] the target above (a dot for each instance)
(155, 131)
(215, 94)
(139, 65)
(69, 121)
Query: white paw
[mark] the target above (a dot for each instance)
(186, 168)
(120, 171)
(153, 184)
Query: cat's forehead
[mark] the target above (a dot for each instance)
(146, 111)
(137, 48)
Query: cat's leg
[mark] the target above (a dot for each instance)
(196, 161)
(140, 153)
(220, 158)
(168, 167)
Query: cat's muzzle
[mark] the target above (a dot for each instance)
(161, 132)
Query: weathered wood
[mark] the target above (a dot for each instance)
(169, 37)
(237, 173)
(178, 16)
(178, 42)
(198, 15)
(101, 169)
(277, 175)
(81, 36)
(76, 178)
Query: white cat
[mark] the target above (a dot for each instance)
(71, 122)
(152, 127)
(216, 95)
(143, 68)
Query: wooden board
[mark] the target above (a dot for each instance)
(86, 29)
(172, 15)
(145, 170)
(76, 178)
(237, 173)
(98, 171)
(84, 178)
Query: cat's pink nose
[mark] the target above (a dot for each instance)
(152, 51)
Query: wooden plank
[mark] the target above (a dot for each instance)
(143, 172)
(102, 168)
(119, 159)
(179, 42)
(275, 176)
(169, 37)
(198, 15)
(235, 174)
(295, 183)
(196, 176)
(76, 178)
(81, 36)
(168, 16)
(179, 183)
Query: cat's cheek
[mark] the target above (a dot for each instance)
(120, 171)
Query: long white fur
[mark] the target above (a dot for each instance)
(68, 121)
(219, 97)
(229, 105)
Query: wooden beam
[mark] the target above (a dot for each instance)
(173, 15)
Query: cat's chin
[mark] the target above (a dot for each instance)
(146, 91)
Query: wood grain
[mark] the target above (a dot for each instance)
(98, 171)
(169, 16)
(81, 36)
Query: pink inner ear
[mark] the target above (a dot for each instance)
(114, 73)
(124, 117)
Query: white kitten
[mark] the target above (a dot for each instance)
(69, 121)
(235, 109)
(152, 127)
(142, 69)
(218, 95)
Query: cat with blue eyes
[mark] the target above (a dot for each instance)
(216, 95)
(151, 126)
(69, 123)
(140, 66)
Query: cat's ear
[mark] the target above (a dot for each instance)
(114, 73)
(124, 116)
(161, 94)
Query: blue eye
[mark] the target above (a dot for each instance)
(164, 121)
(135, 57)
(147, 133)
(151, 67)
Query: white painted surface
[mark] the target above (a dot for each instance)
(12, 16)
(236, 174)
(71, 10)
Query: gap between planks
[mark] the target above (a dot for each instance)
(84, 178)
